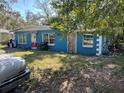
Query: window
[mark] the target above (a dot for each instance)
(88, 40)
(22, 38)
(49, 37)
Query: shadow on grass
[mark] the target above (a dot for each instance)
(10, 50)
(32, 55)
(78, 74)
(74, 79)
(64, 57)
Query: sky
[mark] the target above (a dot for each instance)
(23, 5)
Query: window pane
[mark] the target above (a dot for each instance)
(48, 38)
(88, 40)
(20, 38)
(24, 38)
(51, 41)
(45, 37)
(51, 37)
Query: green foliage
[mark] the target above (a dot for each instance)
(105, 16)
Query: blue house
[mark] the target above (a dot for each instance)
(86, 44)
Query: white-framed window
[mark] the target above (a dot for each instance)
(49, 37)
(22, 38)
(87, 40)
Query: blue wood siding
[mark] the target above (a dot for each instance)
(85, 50)
(60, 42)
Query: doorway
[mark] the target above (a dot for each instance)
(34, 40)
(72, 43)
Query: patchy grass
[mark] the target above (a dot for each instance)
(45, 59)
(119, 60)
(40, 60)
(53, 72)
(22, 53)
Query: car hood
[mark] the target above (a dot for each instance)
(10, 66)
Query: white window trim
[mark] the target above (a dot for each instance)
(53, 44)
(87, 46)
(21, 37)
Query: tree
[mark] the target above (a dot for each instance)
(105, 16)
(10, 19)
(16, 21)
(32, 18)
(46, 10)
(44, 6)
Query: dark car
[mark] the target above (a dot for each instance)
(13, 72)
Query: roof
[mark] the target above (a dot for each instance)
(34, 27)
(4, 30)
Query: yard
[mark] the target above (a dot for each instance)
(53, 72)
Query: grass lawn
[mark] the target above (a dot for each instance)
(61, 73)
(41, 60)
(53, 72)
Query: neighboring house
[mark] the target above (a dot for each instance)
(86, 44)
(5, 35)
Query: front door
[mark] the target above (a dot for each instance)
(72, 42)
(34, 40)
(33, 37)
